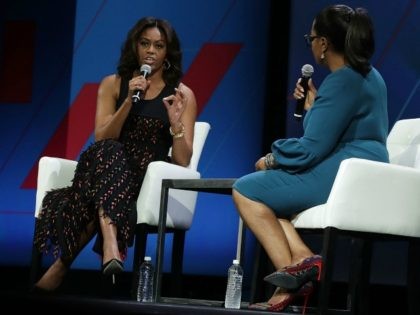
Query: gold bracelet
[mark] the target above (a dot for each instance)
(179, 134)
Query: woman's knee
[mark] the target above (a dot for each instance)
(248, 206)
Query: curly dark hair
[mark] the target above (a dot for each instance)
(350, 32)
(129, 62)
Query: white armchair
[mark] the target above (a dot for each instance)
(369, 201)
(57, 172)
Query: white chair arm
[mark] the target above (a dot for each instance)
(181, 203)
(376, 197)
(53, 173)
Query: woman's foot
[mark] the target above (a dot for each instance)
(278, 301)
(53, 277)
(279, 296)
(111, 258)
(281, 299)
(294, 276)
(111, 261)
(112, 267)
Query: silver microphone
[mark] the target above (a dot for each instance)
(138, 94)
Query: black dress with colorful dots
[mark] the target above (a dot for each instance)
(109, 175)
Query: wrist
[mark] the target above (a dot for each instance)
(177, 127)
(269, 161)
(178, 132)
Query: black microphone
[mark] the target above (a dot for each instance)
(138, 94)
(307, 71)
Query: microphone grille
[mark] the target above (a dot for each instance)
(307, 70)
(147, 69)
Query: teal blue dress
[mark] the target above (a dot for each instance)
(349, 118)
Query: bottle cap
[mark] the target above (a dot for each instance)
(236, 262)
(147, 258)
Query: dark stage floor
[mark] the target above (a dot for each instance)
(84, 292)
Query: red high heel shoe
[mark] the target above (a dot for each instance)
(305, 292)
(293, 277)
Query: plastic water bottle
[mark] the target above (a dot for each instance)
(145, 288)
(234, 286)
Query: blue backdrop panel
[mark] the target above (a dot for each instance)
(27, 127)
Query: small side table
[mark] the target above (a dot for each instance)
(210, 185)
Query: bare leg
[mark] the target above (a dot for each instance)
(269, 232)
(55, 274)
(109, 233)
(267, 229)
(299, 250)
(278, 237)
(53, 277)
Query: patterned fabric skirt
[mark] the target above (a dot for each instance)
(103, 179)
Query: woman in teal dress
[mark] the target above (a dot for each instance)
(347, 117)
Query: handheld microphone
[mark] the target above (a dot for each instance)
(138, 94)
(307, 71)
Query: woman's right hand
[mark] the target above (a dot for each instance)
(137, 83)
(299, 93)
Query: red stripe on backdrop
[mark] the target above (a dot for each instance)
(73, 131)
(203, 77)
(208, 69)
(16, 64)
(81, 120)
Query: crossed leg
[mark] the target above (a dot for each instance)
(55, 274)
(278, 237)
(109, 234)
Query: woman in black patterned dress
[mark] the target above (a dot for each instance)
(128, 136)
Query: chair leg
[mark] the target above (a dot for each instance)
(177, 261)
(256, 274)
(139, 252)
(328, 250)
(359, 276)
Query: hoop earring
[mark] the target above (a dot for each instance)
(166, 64)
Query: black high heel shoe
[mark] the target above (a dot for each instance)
(112, 267)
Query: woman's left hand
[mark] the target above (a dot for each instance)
(175, 105)
(260, 165)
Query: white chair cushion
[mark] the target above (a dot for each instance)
(403, 143)
(181, 203)
(369, 196)
(53, 173)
